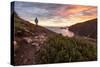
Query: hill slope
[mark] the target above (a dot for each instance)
(28, 40)
(37, 45)
(88, 28)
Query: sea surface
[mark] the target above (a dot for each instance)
(63, 31)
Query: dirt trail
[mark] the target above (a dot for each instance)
(27, 47)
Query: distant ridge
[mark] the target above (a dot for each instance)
(88, 28)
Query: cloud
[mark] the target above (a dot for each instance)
(37, 9)
(75, 9)
(55, 14)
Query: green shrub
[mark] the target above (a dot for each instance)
(62, 49)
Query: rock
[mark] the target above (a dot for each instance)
(14, 55)
(41, 36)
(35, 44)
(21, 56)
(26, 30)
(25, 61)
(36, 37)
(29, 40)
(15, 45)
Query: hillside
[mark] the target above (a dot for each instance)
(38, 45)
(28, 40)
(88, 28)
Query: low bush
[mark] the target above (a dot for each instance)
(59, 49)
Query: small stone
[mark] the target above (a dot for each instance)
(35, 44)
(29, 40)
(22, 56)
(15, 42)
(15, 45)
(36, 37)
(25, 60)
(14, 54)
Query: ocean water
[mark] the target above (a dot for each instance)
(63, 31)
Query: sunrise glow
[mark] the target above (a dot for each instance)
(55, 15)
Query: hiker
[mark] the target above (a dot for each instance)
(36, 21)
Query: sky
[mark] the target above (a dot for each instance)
(55, 15)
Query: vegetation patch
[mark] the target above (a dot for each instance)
(59, 49)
